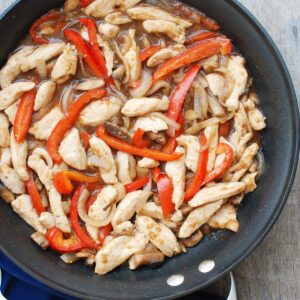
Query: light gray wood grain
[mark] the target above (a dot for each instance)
(273, 270)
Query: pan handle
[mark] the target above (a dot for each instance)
(232, 294)
(1, 296)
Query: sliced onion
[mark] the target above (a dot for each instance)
(69, 258)
(41, 113)
(118, 94)
(82, 67)
(42, 69)
(161, 84)
(142, 89)
(99, 162)
(200, 102)
(66, 98)
(170, 122)
(121, 57)
(87, 219)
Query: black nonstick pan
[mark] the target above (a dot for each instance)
(260, 209)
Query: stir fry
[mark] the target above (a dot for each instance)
(129, 130)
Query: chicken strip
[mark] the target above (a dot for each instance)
(13, 92)
(124, 163)
(72, 151)
(19, 152)
(136, 107)
(212, 135)
(216, 83)
(249, 180)
(197, 218)
(159, 235)
(216, 192)
(47, 219)
(192, 146)
(44, 94)
(117, 251)
(11, 179)
(152, 210)
(11, 111)
(109, 30)
(101, 149)
(117, 18)
(4, 129)
(90, 84)
(148, 163)
(176, 170)
(150, 123)
(6, 156)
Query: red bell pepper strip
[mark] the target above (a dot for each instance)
(137, 184)
(199, 177)
(137, 139)
(224, 129)
(178, 96)
(59, 244)
(194, 54)
(79, 231)
(149, 51)
(34, 194)
(83, 48)
(69, 120)
(209, 23)
(221, 169)
(198, 37)
(85, 139)
(53, 15)
(165, 191)
(93, 186)
(120, 145)
(104, 232)
(85, 3)
(62, 180)
(24, 115)
(155, 173)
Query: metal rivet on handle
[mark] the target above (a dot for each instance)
(206, 266)
(175, 280)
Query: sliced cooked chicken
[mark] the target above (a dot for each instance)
(197, 218)
(241, 122)
(4, 129)
(72, 151)
(44, 94)
(256, 119)
(109, 30)
(19, 152)
(100, 209)
(13, 92)
(47, 219)
(24, 208)
(11, 179)
(117, 18)
(117, 251)
(6, 156)
(212, 135)
(148, 163)
(150, 123)
(100, 8)
(71, 5)
(192, 146)
(124, 162)
(43, 128)
(132, 56)
(155, 13)
(249, 180)
(108, 53)
(12, 68)
(41, 162)
(40, 240)
(238, 73)
(66, 65)
(164, 54)
(89, 84)
(216, 192)
(136, 107)
(152, 210)
(61, 219)
(176, 170)
(128, 206)
(11, 111)
(215, 107)
(216, 83)
(93, 232)
(225, 218)
(100, 111)
(172, 30)
(42, 53)
(101, 149)
(159, 235)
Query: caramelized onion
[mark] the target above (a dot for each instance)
(161, 84)
(142, 89)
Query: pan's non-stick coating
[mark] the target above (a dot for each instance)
(258, 213)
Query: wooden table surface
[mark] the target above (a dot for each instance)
(273, 270)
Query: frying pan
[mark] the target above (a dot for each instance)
(257, 215)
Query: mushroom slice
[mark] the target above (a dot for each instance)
(11, 179)
(238, 73)
(149, 256)
(6, 195)
(150, 123)
(41, 162)
(47, 219)
(61, 219)
(172, 30)
(13, 92)
(101, 149)
(19, 153)
(12, 68)
(72, 151)
(127, 207)
(109, 30)
(44, 127)
(176, 170)
(192, 146)
(225, 218)
(212, 135)
(89, 84)
(100, 111)
(155, 13)
(42, 53)
(117, 18)
(66, 65)
(197, 218)
(117, 251)
(4, 129)
(193, 240)
(216, 192)
(159, 235)
(40, 240)
(141, 106)
(24, 208)
(148, 163)
(123, 161)
(44, 94)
